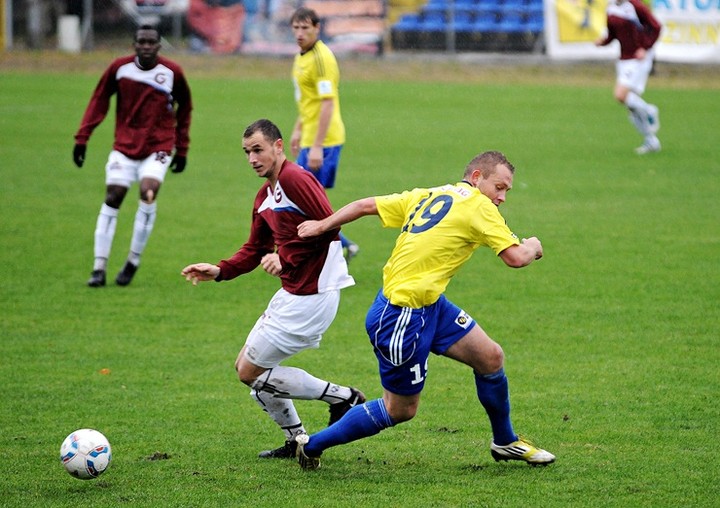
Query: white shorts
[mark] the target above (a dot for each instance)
(123, 171)
(633, 74)
(290, 324)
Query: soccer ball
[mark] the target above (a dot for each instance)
(85, 454)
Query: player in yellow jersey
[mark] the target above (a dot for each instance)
(319, 132)
(440, 228)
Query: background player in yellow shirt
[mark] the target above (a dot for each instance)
(440, 228)
(319, 132)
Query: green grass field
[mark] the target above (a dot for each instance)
(611, 339)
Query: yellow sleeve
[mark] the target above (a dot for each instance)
(393, 208)
(491, 228)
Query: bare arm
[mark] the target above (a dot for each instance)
(517, 256)
(347, 213)
(315, 156)
(327, 106)
(295, 138)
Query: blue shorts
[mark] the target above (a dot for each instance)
(331, 160)
(403, 339)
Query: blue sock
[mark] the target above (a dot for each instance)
(344, 240)
(361, 421)
(494, 395)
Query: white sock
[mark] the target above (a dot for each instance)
(282, 411)
(144, 222)
(104, 234)
(640, 111)
(636, 121)
(635, 102)
(294, 383)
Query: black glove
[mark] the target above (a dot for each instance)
(178, 164)
(79, 154)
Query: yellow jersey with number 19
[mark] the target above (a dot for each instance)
(316, 77)
(440, 229)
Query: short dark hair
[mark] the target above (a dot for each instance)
(147, 27)
(305, 14)
(487, 162)
(269, 130)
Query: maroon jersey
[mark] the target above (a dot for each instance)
(309, 265)
(633, 25)
(146, 119)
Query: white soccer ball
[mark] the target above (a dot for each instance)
(86, 454)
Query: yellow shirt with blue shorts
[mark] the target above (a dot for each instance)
(316, 76)
(440, 228)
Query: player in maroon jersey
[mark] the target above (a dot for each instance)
(152, 121)
(631, 23)
(312, 272)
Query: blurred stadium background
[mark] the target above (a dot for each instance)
(558, 29)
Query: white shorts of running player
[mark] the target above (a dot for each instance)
(290, 324)
(633, 74)
(123, 171)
